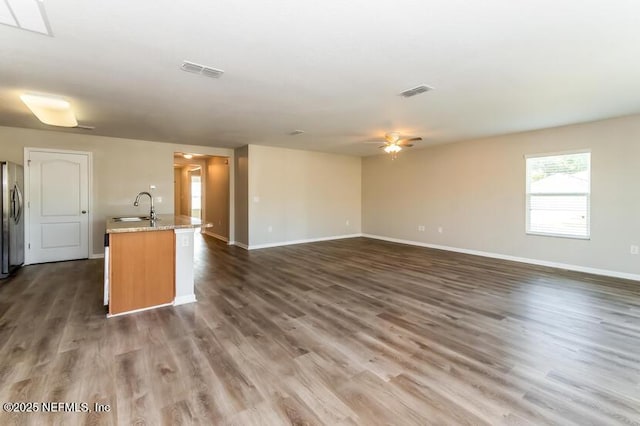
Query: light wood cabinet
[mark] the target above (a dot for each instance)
(141, 270)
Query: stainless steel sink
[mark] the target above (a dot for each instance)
(131, 219)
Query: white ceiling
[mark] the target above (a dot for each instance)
(332, 68)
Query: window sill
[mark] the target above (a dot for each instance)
(572, 237)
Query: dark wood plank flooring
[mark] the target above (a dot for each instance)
(342, 332)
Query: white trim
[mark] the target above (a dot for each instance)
(96, 256)
(241, 245)
(182, 300)
(214, 235)
(569, 267)
(570, 236)
(556, 153)
(310, 240)
(139, 310)
(27, 226)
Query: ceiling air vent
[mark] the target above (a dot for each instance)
(212, 72)
(191, 67)
(296, 132)
(415, 91)
(201, 69)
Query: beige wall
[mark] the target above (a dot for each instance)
(298, 195)
(475, 190)
(183, 201)
(121, 169)
(217, 200)
(241, 195)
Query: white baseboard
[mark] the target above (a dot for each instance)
(139, 310)
(239, 244)
(214, 235)
(181, 300)
(310, 240)
(96, 256)
(569, 267)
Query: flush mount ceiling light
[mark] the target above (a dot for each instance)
(50, 110)
(187, 156)
(27, 15)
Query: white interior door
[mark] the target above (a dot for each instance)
(58, 204)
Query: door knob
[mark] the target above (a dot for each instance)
(84, 212)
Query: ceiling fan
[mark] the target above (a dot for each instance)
(393, 143)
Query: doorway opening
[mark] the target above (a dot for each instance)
(196, 193)
(201, 191)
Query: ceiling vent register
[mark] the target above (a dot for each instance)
(415, 91)
(201, 69)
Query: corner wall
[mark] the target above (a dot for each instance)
(295, 196)
(217, 196)
(475, 191)
(241, 196)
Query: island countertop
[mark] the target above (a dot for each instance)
(164, 222)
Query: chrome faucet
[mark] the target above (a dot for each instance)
(152, 213)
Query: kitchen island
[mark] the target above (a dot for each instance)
(149, 264)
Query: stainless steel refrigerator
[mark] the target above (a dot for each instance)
(12, 226)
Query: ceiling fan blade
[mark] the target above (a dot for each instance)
(407, 142)
(379, 140)
(392, 137)
(410, 140)
(383, 146)
(405, 145)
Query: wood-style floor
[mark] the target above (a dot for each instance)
(343, 332)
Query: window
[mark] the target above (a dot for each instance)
(558, 194)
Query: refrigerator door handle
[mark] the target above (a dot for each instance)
(12, 209)
(17, 213)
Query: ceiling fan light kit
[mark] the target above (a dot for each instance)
(393, 143)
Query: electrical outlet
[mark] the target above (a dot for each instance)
(347, 222)
(270, 229)
(421, 228)
(256, 199)
(152, 187)
(159, 199)
(440, 230)
(634, 249)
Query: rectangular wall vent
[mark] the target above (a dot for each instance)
(201, 69)
(415, 91)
